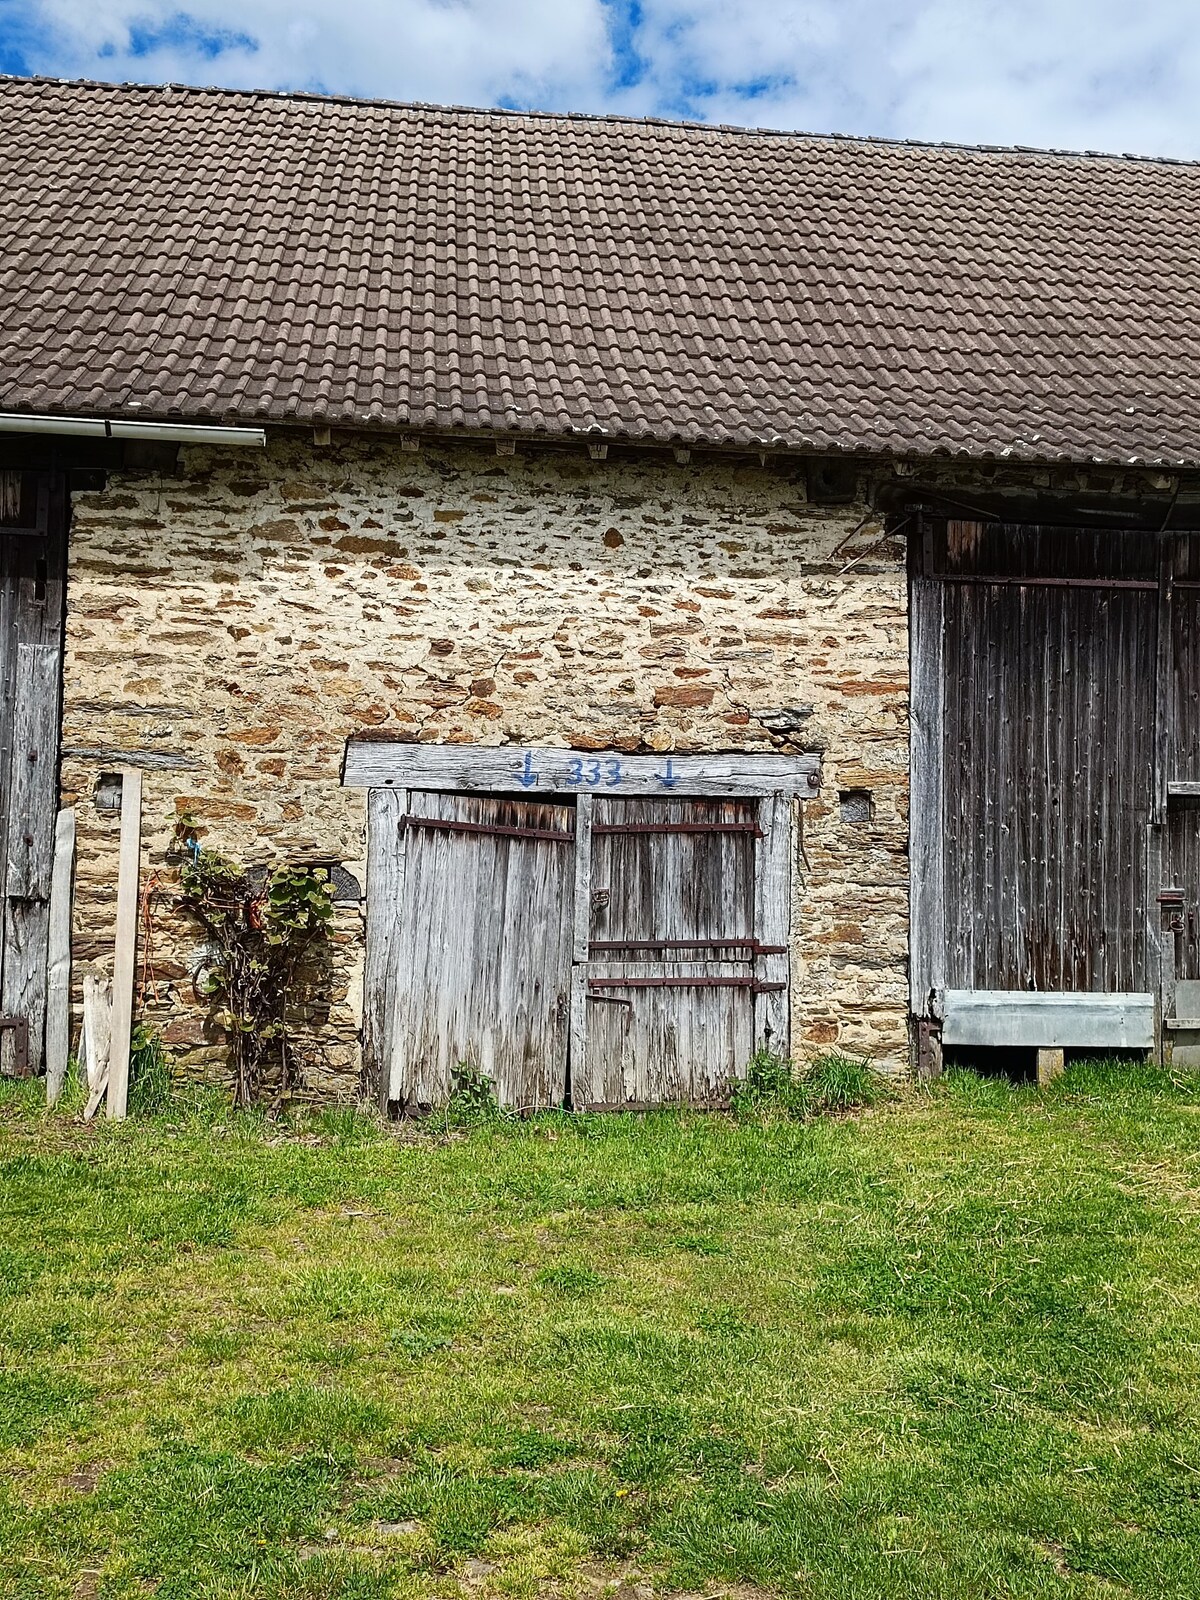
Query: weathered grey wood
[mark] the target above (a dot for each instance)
(125, 951)
(686, 1044)
(1048, 764)
(577, 1044)
(1002, 1019)
(1050, 1065)
(23, 988)
(97, 1028)
(583, 877)
(34, 786)
(96, 1096)
(385, 888)
(58, 989)
(927, 901)
(509, 768)
(484, 951)
(1165, 743)
(773, 922)
(150, 760)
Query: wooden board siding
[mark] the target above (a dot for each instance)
(664, 1023)
(599, 952)
(483, 950)
(1048, 754)
(31, 620)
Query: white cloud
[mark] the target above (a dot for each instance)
(464, 51)
(1082, 73)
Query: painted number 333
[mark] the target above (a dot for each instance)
(593, 773)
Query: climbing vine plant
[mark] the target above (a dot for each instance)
(261, 928)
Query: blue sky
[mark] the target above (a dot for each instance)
(1084, 74)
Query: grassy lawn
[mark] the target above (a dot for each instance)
(948, 1348)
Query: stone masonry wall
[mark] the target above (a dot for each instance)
(230, 627)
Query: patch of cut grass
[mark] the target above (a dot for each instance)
(948, 1349)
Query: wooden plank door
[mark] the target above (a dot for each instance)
(481, 969)
(669, 958)
(32, 561)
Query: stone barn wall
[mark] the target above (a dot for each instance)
(229, 627)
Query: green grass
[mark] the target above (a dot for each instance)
(946, 1347)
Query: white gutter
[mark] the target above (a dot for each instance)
(119, 428)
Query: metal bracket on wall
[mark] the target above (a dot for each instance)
(20, 1033)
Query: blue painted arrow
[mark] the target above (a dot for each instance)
(527, 777)
(669, 780)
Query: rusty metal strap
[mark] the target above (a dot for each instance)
(678, 827)
(752, 945)
(453, 825)
(20, 1032)
(752, 984)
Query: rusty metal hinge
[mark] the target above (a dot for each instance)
(678, 827)
(453, 825)
(753, 984)
(20, 1032)
(752, 945)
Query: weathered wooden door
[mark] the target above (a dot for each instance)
(32, 558)
(681, 947)
(1033, 762)
(482, 967)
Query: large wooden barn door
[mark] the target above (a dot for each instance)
(1034, 760)
(32, 560)
(483, 960)
(681, 948)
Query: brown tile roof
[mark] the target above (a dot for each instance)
(173, 252)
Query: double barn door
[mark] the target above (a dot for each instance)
(598, 952)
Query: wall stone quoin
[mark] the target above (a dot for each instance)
(229, 628)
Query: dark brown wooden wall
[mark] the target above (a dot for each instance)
(1048, 689)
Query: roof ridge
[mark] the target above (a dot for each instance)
(512, 112)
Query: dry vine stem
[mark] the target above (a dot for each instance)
(260, 928)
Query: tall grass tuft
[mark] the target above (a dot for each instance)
(775, 1086)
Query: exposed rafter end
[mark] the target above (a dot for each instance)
(410, 442)
(682, 455)
(506, 447)
(598, 452)
(322, 436)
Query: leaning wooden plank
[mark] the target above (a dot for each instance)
(58, 989)
(125, 957)
(385, 877)
(97, 1028)
(96, 1096)
(377, 764)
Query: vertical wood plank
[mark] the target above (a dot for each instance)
(58, 989)
(34, 786)
(385, 882)
(577, 1043)
(927, 900)
(773, 922)
(125, 955)
(97, 1029)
